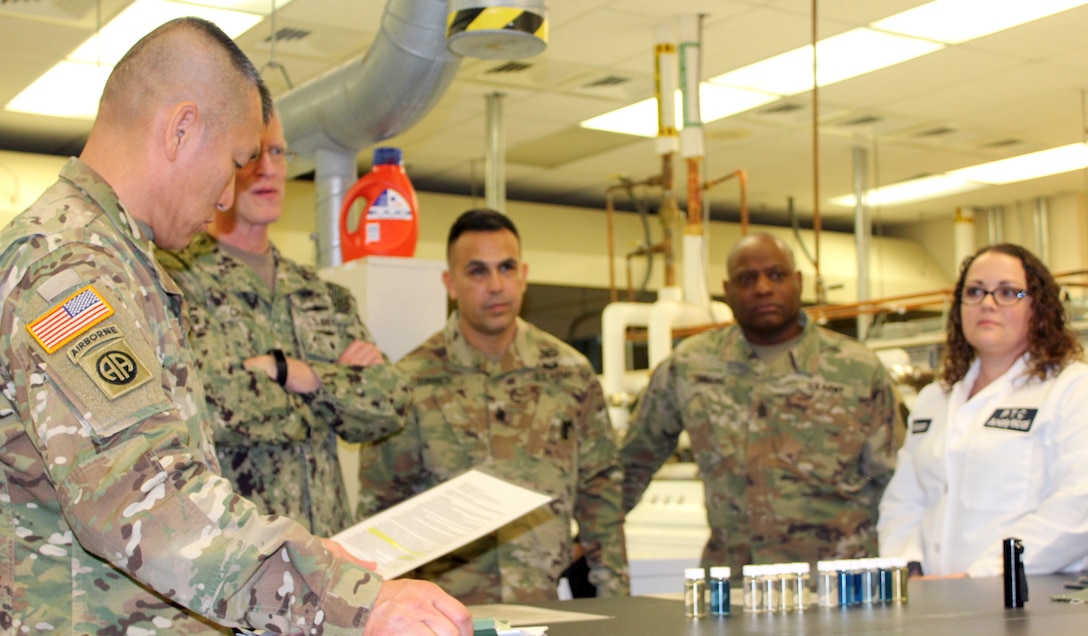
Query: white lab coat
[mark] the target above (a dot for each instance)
(1012, 461)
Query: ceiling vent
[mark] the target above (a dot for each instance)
(508, 67)
(862, 120)
(938, 131)
(607, 80)
(289, 34)
(780, 108)
(1003, 143)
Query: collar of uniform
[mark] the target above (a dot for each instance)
(518, 355)
(288, 280)
(1012, 379)
(93, 186)
(90, 183)
(737, 347)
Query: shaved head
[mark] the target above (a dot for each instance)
(212, 72)
(759, 238)
(180, 114)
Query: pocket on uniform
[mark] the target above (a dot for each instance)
(997, 473)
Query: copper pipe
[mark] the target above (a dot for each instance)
(695, 192)
(820, 295)
(742, 178)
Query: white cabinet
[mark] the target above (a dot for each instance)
(402, 301)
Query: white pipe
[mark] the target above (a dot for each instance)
(963, 234)
(695, 271)
(615, 319)
(667, 83)
(691, 136)
(669, 313)
(335, 173)
(1042, 230)
(495, 159)
(863, 233)
(995, 225)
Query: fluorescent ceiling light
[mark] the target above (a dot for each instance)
(73, 86)
(1022, 168)
(1030, 166)
(141, 17)
(839, 57)
(75, 80)
(955, 21)
(919, 189)
(715, 102)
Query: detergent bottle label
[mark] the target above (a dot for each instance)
(390, 205)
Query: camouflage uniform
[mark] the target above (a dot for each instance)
(113, 517)
(794, 454)
(276, 446)
(537, 418)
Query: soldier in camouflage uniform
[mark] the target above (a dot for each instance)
(793, 427)
(278, 444)
(113, 517)
(494, 392)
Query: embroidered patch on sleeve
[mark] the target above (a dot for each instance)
(115, 369)
(78, 313)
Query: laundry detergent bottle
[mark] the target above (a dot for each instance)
(388, 220)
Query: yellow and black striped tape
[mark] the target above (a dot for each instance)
(497, 19)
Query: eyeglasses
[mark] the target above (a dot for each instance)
(276, 154)
(1004, 296)
(279, 154)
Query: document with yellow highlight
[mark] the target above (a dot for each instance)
(437, 521)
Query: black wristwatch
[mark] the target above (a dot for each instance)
(281, 366)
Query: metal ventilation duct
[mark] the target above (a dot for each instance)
(497, 29)
(392, 86)
(331, 118)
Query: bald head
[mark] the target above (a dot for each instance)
(187, 59)
(764, 289)
(759, 241)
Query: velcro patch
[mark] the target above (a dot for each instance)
(920, 426)
(76, 314)
(115, 369)
(1012, 419)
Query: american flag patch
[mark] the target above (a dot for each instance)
(78, 313)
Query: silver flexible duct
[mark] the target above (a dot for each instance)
(376, 96)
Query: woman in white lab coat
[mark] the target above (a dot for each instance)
(998, 447)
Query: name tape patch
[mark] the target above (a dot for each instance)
(76, 314)
(1012, 419)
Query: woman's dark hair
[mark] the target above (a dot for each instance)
(1051, 343)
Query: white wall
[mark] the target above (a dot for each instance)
(567, 246)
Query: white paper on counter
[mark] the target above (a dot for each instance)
(437, 521)
(522, 615)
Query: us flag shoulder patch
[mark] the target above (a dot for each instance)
(76, 314)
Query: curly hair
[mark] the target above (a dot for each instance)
(1051, 343)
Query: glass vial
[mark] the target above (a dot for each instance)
(868, 592)
(883, 581)
(898, 566)
(695, 593)
(845, 588)
(784, 587)
(827, 583)
(753, 592)
(719, 591)
(768, 584)
(799, 581)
